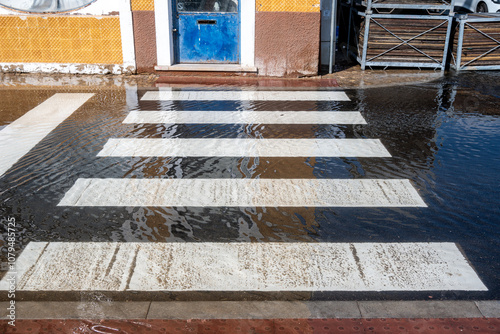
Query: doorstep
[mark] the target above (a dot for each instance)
(240, 80)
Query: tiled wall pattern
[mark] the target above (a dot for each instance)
(60, 39)
(143, 5)
(305, 6)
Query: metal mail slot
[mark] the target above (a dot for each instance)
(206, 21)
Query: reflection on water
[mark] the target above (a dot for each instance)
(443, 136)
(251, 224)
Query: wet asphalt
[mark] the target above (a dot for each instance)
(443, 135)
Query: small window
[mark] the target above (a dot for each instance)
(210, 6)
(45, 6)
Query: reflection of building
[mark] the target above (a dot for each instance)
(277, 38)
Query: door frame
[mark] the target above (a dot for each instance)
(165, 41)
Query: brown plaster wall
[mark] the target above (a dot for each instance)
(287, 43)
(144, 40)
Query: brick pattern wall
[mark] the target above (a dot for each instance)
(60, 39)
(302, 6)
(140, 5)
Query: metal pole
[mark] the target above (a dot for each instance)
(460, 45)
(447, 42)
(349, 33)
(333, 35)
(368, 18)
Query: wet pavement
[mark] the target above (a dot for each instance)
(442, 136)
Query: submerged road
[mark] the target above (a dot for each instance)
(242, 191)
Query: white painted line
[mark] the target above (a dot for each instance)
(241, 147)
(244, 117)
(19, 137)
(243, 193)
(245, 96)
(178, 267)
(73, 266)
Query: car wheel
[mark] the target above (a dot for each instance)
(482, 8)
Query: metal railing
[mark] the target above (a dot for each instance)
(482, 47)
(387, 40)
(439, 5)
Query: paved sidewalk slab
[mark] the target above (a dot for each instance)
(253, 310)
(419, 309)
(334, 309)
(228, 310)
(489, 308)
(184, 310)
(82, 310)
(77, 310)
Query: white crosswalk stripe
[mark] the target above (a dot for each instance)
(245, 95)
(243, 267)
(243, 147)
(19, 137)
(243, 193)
(243, 117)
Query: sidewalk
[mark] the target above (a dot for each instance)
(348, 78)
(256, 317)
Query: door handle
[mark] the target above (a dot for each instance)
(174, 30)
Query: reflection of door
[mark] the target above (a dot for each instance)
(206, 31)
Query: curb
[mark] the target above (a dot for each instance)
(180, 310)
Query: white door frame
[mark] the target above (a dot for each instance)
(164, 38)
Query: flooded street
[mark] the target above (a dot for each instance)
(424, 157)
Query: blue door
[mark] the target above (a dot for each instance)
(206, 31)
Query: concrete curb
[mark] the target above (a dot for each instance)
(253, 310)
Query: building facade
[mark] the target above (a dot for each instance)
(268, 37)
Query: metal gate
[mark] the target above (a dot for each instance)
(477, 44)
(402, 33)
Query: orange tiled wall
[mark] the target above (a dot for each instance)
(60, 39)
(143, 5)
(305, 6)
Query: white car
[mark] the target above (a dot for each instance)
(478, 6)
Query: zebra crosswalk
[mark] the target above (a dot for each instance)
(244, 266)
